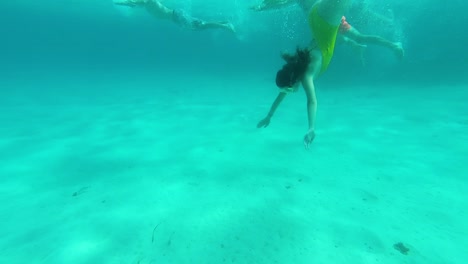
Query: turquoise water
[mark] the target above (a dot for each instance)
(126, 139)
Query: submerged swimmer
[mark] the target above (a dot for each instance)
(306, 65)
(180, 17)
(347, 33)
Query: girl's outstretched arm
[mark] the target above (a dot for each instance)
(308, 84)
(266, 121)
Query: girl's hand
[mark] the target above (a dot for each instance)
(308, 138)
(264, 122)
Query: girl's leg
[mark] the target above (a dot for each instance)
(377, 40)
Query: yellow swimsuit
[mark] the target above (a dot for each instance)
(325, 36)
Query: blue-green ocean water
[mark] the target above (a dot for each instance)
(94, 36)
(125, 139)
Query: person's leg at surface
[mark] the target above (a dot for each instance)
(199, 24)
(272, 4)
(130, 3)
(185, 20)
(153, 7)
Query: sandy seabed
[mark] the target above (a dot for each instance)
(158, 172)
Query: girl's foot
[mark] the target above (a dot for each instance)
(230, 27)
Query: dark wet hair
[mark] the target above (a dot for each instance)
(294, 69)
